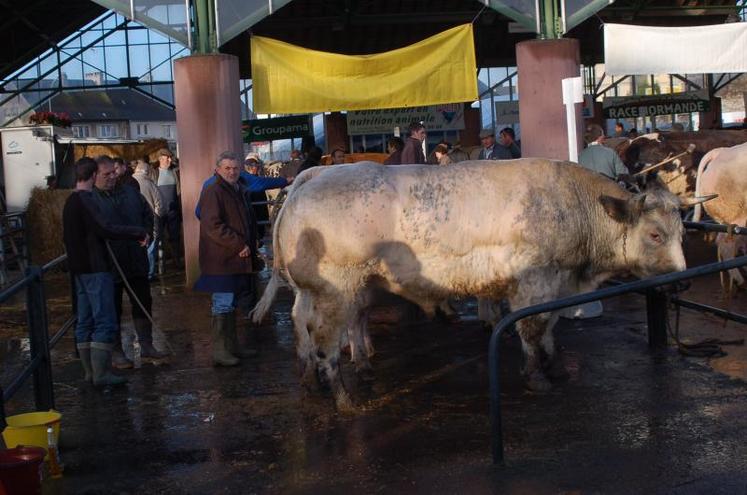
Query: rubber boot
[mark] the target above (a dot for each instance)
(144, 332)
(84, 352)
(101, 364)
(221, 355)
(232, 340)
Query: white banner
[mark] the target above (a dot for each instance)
(632, 50)
(449, 117)
(506, 112)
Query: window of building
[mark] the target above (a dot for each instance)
(82, 131)
(142, 129)
(108, 130)
(167, 131)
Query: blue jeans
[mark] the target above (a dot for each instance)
(97, 317)
(152, 250)
(223, 302)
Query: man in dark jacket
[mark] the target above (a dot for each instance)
(85, 231)
(225, 253)
(412, 153)
(490, 149)
(125, 206)
(394, 147)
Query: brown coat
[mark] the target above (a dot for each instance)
(225, 229)
(412, 153)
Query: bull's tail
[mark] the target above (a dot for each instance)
(707, 158)
(268, 296)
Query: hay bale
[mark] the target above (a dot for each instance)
(44, 223)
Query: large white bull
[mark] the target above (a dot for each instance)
(723, 171)
(530, 230)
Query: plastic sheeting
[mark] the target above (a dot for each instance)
(632, 50)
(290, 79)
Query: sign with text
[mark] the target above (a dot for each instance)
(296, 126)
(506, 112)
(629, 107)
(448, 117)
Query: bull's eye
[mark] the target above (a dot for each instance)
(655, 237)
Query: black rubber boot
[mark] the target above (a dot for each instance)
(232, 340)
(144, 332)
(101, 365)
(221, 355)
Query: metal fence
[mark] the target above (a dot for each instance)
(14, 244)
(40, 365)
(656, 310)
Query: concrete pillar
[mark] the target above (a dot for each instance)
(542, 65)
(208, 122)
(336, 131)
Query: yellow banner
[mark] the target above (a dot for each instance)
(290, 79)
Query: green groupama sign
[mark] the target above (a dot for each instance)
(296, 126)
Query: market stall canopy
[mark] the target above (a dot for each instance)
(675, 50)
(290, 79)
(30, 27)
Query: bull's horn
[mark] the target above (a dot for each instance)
(688, 202)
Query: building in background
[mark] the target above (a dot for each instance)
(115, 113)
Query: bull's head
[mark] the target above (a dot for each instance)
(653, 231)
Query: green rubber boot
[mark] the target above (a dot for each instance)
(101, 364)
(84, 352)
(221, 327)
(232, 340)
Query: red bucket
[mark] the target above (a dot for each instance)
(21, 470)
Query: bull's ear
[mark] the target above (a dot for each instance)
(622, 210)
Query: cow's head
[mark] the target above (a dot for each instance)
(652, 239)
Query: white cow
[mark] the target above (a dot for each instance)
(723, 171)
(530, 230)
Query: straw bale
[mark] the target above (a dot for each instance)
(127, 151)
(44, 223)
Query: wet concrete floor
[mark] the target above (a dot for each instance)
(626, 421)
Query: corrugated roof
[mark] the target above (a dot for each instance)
(110, 104)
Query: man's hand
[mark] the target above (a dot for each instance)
(290, 180)
(144, 241)
(244, 253)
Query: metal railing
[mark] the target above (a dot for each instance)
(14, 243)
(40, 365)
(656, 309)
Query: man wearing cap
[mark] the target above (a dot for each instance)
(166, 177)
(600, 158)
(491, 151)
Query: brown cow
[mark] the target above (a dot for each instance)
(678, 176)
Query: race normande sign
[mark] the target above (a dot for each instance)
(296, 126)
(629, 107)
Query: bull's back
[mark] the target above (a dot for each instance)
(353, 214)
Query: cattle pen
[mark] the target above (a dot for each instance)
(423, 422)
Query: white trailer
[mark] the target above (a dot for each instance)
(30, 155)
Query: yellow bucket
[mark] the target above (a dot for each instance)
(31, 429)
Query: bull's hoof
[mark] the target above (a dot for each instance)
(556, 371)
(344, 405)
(309, 379)
(365, 373)
(537, 382)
